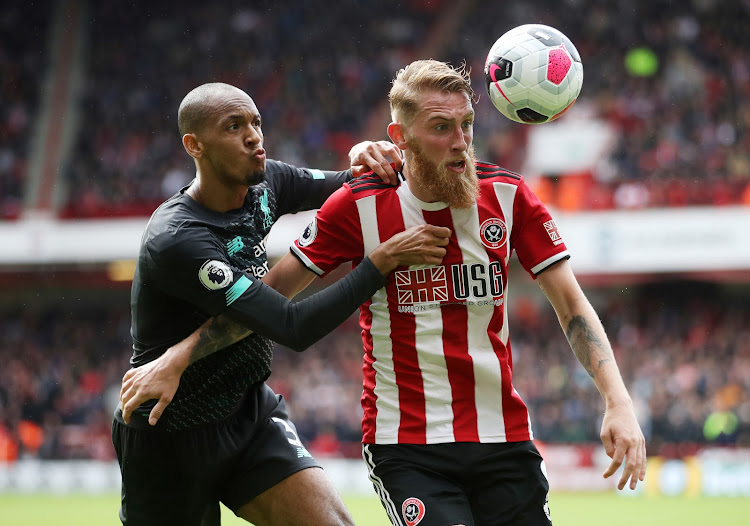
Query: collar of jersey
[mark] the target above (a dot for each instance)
(405, 193)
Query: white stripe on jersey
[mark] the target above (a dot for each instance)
(506, 196)
(428, 338)
(368, 220)
(386, 391)
(487, 373)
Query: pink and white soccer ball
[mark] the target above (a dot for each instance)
(533, 74)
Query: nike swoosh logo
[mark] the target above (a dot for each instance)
(493, 70)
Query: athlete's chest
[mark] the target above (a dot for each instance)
(244, 238)
(473, 272)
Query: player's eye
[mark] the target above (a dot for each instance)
(468, 124)
(233, 126)
(441, 127)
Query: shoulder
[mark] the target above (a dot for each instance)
(368, 184)
(489, 172)
(276, 168)
(173, 224)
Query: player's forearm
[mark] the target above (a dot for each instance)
(222, 331)
(217, 333)
(590, 345)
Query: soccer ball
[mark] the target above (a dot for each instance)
(533, 74)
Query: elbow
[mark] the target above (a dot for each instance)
(299, 346)
(294, 340)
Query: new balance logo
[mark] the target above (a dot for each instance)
(235, 246)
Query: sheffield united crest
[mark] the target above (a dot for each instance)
(493, 233)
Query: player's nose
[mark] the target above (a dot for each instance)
(253, 137)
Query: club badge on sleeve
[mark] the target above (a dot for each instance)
(308, 236)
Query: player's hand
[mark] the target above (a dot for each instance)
(624, 442)
(418, 245)
(381, 157)
(156, 380)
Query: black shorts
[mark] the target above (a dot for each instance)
(460, 483)
(179, 478)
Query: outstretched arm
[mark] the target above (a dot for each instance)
(621, 434)
(160, 378)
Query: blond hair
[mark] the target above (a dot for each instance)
(426, 75)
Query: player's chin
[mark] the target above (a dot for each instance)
(256, 177)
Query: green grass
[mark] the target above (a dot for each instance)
(568, 509)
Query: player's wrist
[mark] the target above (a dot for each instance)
(383, 260)
(177, 357)
(618, 400)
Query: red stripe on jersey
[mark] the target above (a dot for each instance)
(458, 362)
(369, 398)
(413, 422)
(515, 412)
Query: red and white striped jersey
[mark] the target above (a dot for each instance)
(437, 359)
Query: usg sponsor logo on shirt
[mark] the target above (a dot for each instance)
(215, 275)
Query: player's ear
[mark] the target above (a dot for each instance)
(396, 133)
(192, 145)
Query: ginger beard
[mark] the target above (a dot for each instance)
(458, 190)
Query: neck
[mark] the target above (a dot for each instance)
(417, 190)
(215, 195)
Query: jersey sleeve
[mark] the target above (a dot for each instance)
(299, 189)
(535, 236)
(193, 269)
(333, 237)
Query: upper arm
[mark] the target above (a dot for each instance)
(289, 276)
(299, 189)
(190, 264)
(534, 236)
(333, 237)
(562, 289)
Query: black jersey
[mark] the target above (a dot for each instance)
(195, 263)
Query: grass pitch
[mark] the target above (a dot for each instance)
(568, 509)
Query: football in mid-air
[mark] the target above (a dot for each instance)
(533, 74)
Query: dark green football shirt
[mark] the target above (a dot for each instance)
(195, 263)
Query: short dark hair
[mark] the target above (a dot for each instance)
(197, 106)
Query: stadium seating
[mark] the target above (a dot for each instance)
(319, 82)
(683, 358)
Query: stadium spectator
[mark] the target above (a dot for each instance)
(682, 366)
(681, 126)
(23, 62)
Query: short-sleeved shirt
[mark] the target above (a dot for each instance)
(437, 355)
(195, 263)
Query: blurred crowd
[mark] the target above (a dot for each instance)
(24, 27)
(683, 349)
(670, 77)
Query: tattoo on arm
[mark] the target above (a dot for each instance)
(585, 344)
(221, 332)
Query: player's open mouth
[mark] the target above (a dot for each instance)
(458, 166)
